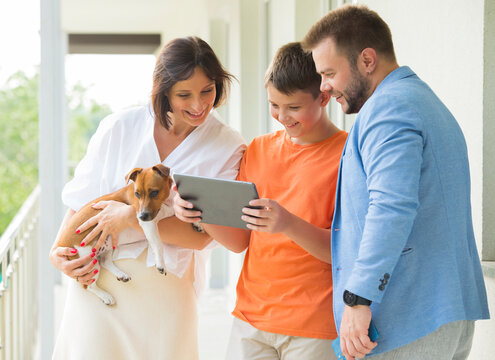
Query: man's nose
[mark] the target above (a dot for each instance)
(325, 86)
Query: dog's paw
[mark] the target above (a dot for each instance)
(124, 278)
(161, 270)
(107, 299)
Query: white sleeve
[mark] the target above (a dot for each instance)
(86, 184)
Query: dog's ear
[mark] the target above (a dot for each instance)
(133, 174)
(162, 170)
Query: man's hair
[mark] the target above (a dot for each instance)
(353, 28)
(293, 69)
(176, 62)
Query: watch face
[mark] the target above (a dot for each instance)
(349, 298)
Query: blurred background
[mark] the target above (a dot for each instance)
(66, 64)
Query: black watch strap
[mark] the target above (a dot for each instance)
(351, 299)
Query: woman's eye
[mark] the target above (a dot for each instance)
(182, 95)
(207, 91)
(137, 195)
(154, 193)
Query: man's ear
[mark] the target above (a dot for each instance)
(325, 98)
(367, 60)
(133, 174)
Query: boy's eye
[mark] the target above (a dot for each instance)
(275, 106)
(137, 195)
(294, 107)
(154, 193)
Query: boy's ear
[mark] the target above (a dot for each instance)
(325, 98)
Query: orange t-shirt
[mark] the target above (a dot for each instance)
(282, 288)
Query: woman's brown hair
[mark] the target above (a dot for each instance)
(176, 62)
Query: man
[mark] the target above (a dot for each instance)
(403, 249)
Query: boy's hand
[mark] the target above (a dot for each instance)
(271, 218)
(183, 208)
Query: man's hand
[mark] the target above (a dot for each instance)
(354, 340)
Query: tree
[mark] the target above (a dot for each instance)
(19, 137)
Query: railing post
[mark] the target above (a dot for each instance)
(52, 161)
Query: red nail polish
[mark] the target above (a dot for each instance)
(93, 255)
(96, 271)
(93, 250)
(83, 243)
(94, 261)
(113, 247)
(73, 251)
(78, 231)
(93, 281)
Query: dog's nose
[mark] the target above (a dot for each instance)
(145, 216)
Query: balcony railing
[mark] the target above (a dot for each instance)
(19, 283)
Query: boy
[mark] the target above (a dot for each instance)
(284, 293)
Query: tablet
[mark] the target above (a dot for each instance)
(221, 201)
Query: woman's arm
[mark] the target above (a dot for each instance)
(115, 216)
(80, 269)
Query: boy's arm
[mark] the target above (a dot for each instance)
(274, 218)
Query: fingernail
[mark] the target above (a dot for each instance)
(94, 261)
(96, 271)
(113, 247)
(93, 255)
(93, 250)
(73, 251)
(93, 204)
(83, 243)
(93, 281)
(78, 231)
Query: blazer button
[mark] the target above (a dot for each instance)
(381, 287)
(386, 276)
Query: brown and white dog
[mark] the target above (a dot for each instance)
(146, 193)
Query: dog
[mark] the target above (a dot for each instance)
(147, 193)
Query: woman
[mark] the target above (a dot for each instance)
(155, 315)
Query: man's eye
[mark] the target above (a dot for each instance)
(154, 193)
(137, 195)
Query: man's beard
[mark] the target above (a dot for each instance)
(356, 93)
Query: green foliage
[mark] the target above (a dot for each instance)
(19, 137)
(18, 143)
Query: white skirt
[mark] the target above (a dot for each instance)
(154, 317)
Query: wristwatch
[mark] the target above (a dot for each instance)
(351, 299)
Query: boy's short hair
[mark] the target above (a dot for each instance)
(353, 28)
(293, 69)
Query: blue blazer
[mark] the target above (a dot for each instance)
(402, 233)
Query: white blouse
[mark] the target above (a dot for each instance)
(124, 141)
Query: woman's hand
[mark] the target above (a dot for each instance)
(271, 217)
(82, 269)
(183, 208)
(113, 218)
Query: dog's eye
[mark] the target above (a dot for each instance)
(154, 193)
(137, 195)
